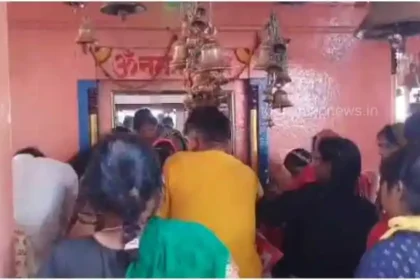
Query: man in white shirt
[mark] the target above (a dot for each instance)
(44, 194)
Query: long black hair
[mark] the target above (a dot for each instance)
(346, 163)
(123, 175)
(393, 134)
(404, 166)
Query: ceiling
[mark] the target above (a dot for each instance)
(249, 14)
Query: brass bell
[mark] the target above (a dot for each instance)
(281, 78)
(179, 56)
(86, 35)
(211, 57)
(269, 98)
(263, 58)
(281, 100)
(192, 41)
(385, 19)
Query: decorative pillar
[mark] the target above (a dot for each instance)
(93, 115)
(263, 123)
(259, 116)
(252, 97)
(88, 113)
(6, 204)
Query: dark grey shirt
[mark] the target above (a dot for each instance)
(84, 258)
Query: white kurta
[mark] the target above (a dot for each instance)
(44, 194)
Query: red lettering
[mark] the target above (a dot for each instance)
(120, 66)
(125, 65)
(154, 66)
(132, 65)
(162, 65)
(145, 64)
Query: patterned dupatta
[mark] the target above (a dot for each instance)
(23, 256)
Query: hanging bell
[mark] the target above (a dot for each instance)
(123, 9)
(179, 56)
(385, 19)
(281, 78)
(192, 42)
(212, 58)
(281, 100)
(269, 98)
(263, 57)
(86, 35)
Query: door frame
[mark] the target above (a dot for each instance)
(83, 88)
(259, 113)
(85, 130)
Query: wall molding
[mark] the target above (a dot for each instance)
(103, 26)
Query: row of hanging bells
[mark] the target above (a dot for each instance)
(272, 58)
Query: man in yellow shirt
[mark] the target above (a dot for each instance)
(211, 187)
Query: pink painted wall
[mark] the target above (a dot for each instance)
(5, 150)
(348, 80)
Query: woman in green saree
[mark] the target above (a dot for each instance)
(178, 249)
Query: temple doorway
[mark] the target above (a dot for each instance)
(161, 105)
